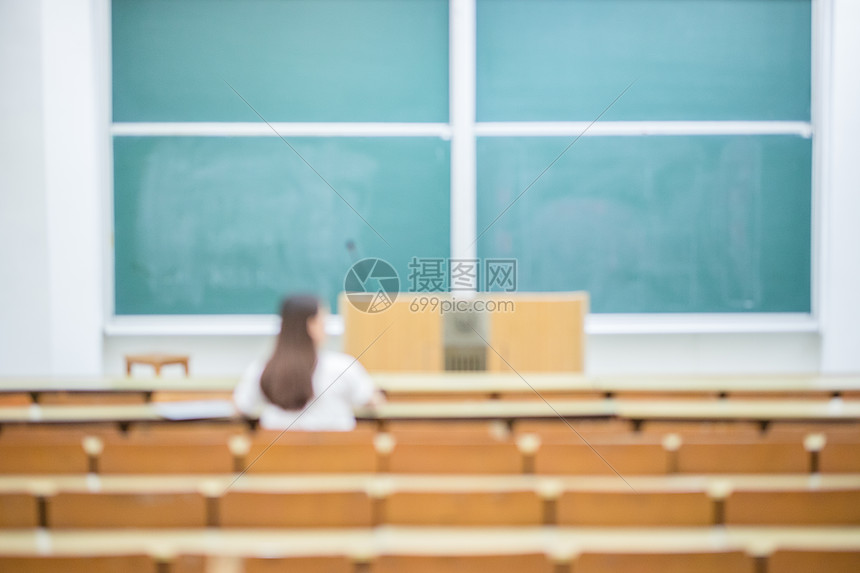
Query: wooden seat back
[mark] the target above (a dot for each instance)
(741, 458)
(470, 458)
(43, 458)
(18, 510)
(141, 510)
(839, 457)
(90, 398)
(309, 509)
(79, 564)
(508, 508)
(804, 561)
(808, 507)
(311, 458)
(736, 562)
(601, 458)
(517, 563)
(561, 431)
(418, 432)
(166, 456)
(634, 509)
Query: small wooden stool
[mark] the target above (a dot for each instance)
(156, 361)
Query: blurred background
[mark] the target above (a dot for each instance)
(710, 210)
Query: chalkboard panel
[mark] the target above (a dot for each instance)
(654, 224)
(294, 60)
(555, 60)
(211, 225)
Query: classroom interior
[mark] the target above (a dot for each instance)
(599, 257)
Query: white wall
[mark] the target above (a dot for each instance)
(840, 304)
(73, 163)
(766, 353)
(24, 294)
(742, 353)
(54, 181)
(50, 296)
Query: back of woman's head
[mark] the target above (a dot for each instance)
(287, 380)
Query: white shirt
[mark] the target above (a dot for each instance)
(340, 383)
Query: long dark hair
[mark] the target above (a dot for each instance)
(287, 380)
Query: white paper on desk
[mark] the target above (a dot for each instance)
(196, 409)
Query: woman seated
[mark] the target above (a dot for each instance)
(303, 387)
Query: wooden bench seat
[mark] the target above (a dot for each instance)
(569, 431)
(79, 564)
(740, 458)
(481, 458)
(311, 458)
(37, 458)
(717, 562)
(508, 508)
(810, 561)
(581, 459)
(518, 563)
(18, 510)
(418, 432)
(198, 451)
(527, 394)
(807, 507)
(311, 509)
(126, 510)
(90, 398)
(166, 456)
(187, 431)
(361, 435)
(841, 457)
(15, 399)
(595, 550)
(704, 428)
(55, 433)
(634, 509)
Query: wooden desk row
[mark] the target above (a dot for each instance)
(384, 455)
(714, 484)
(475, 384)
(492, 385)
(434, 550)
(636, 411)
(760, 411)
(377, 507)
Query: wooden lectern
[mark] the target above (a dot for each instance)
(534, 332)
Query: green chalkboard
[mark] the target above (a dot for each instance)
(561, 60)
(226, 225)
(214, 225)
(294, 60)
(654, 224)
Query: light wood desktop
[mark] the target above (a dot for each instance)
(737, 410)
(477, 384)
